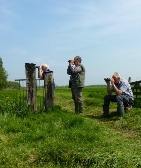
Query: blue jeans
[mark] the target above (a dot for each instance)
(122, 100)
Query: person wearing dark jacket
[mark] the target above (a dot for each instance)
(77, 72)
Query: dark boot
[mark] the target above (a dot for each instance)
(76, 108)
(81, 109)
(105, 112)
(120, 110)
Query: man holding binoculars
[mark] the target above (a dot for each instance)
(123, 94)
(77, 75)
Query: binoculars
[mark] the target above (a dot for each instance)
(107, 79)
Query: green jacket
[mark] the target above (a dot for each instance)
(77, 75)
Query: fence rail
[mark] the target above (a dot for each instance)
(31, 87)
(136, 88)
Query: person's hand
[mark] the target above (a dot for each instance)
(108, 82)
(112, 81)
(71, 61)
(39, 68)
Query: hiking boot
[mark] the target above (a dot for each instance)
(81, 109)
(105, 111)
(120, 110)
(76, 108)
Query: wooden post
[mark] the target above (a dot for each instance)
(129, 79)
(31, 86)
(49, 90)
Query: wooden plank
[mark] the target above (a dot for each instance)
(136, 88)
(137, 93)
(136, 82)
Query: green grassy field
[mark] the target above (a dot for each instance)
(60, 138)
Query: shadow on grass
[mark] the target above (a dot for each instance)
(113, 116)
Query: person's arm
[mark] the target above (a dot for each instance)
(75, 69)
(68, 71)
(118, 92)
(40, 73)
(71, 65)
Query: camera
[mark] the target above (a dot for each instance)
(107, 79)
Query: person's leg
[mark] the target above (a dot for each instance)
(73, 90)
(107, 100)
(79, 100)
(128, 102)
(120, 104)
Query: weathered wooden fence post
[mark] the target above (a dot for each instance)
(49, 90)
(31, 86)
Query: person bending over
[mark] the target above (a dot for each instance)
(123, 95)
(42, 70)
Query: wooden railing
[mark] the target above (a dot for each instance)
(136, 88)
(31, 87)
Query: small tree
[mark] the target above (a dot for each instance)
(13, 85)
(3, 75)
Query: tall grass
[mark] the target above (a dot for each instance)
(59, 138)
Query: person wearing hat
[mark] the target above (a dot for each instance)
(123, 95)
(77, 75)
(42, 70)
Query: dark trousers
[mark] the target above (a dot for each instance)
(122, 100)
(77, 98)
(77, 95)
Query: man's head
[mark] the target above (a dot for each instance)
(77, 60)
(45, 67)
(116, 76)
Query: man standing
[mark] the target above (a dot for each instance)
(123, 95)
(77, 72)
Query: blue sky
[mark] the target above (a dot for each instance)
(105, 33)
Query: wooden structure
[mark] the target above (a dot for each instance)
(49, 90)
(136, 88)
(31, 87)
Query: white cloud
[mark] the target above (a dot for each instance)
(18, 52)
(114, 18)
(53, 31)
